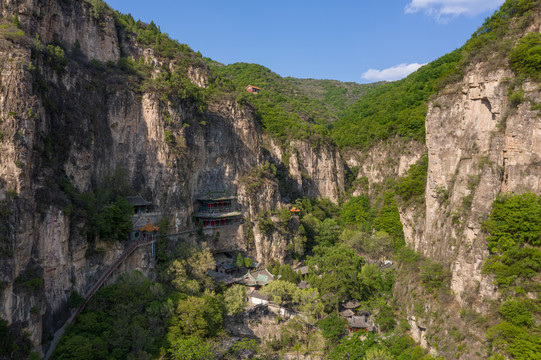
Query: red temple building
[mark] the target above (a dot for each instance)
(253, 89)
(218, 211)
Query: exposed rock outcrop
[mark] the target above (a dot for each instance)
(82, 123)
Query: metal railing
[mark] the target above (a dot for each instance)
(93, 290)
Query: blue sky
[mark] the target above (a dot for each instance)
(347, 40)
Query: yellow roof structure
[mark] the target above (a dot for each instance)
(148, 228)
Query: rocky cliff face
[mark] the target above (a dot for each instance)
(479, 146)
(68, 22)
(466, 143)
(83, 123)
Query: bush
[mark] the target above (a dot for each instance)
(515, 340)
(525, 58)
(514, 220)
(413, 185)
(30, 279)
(56, 58)
(11, 31)
(516, 312)
(333, 328)
(514, 266)
(388, 220)
(514, 225)
(105, 212)
(434, 275)
(75, 299)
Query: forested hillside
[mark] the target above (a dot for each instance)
(315, 219)
(335, 93)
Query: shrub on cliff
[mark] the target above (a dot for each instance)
(525, 58)
(514, 228)
(515, 220)
(412, 186)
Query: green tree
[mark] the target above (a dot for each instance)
(190, 348)
(178, 276)
(200, 262)
(77, 347)
(355, 210)
(75, 299)
(412, 186)
(200, 227)
(239, 261)
(516, 341)
(352, 348)
(381, 245)
(197, 316)
(388, 220)
(337, 273)
(514, 220)
(525, 58)
(329, 232)
(333, 328)
(310, 303)
(285, 216)
(5, 341)
(517, 313)
(234, 299)
(377, 353)
(56, 58)
(281, 292)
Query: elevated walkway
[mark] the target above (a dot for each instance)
(93, 290)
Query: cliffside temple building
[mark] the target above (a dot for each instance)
(143, 219)
(217, 209)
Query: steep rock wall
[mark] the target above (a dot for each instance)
(389, 159)
(68, 22)
(83, 123)
(467, 145)
(479, 146)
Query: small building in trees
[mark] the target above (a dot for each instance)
(143, 214)
(294, 211)
(256, 298)
(256, 279)
(303, 270)
(148, 231)
(351, 305)
(253, 89)
(217, 210)
(224, 278)
(347, 313)
(140, 205)
(363, 321)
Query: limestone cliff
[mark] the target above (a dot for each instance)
(479, 145)
(90, 117)
(85, 120)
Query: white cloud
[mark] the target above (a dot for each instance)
(393, 73)
(444, 10)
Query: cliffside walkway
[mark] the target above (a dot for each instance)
(93, 290)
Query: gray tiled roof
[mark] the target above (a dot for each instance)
(137, 200)
(359, 322)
